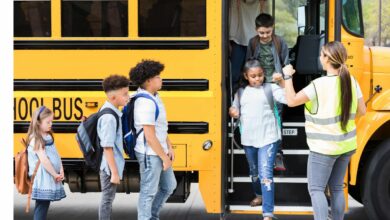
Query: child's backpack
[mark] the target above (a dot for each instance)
(270, 99)
(22, 181)
(130, 134)
(88, 139)
(277, 42)
(279, 161)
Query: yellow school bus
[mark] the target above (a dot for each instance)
(64, 48)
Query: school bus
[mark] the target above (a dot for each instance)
(64, 48)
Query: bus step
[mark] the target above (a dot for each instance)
(278, 210)
(288, 192)
(294, 160)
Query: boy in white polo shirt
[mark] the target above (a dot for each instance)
(153, 149)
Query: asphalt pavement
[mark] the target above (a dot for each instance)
(85, 207)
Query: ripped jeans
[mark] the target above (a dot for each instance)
(261, 165)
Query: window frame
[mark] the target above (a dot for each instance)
(347, 29)
(138, 27)
(50, 17)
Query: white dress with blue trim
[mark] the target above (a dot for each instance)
(45, 187)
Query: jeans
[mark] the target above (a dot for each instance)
(108, 196)
(155, 187)
(265, 164)
(328, 170)
(237, 60)
(251, 154)
(41, 209)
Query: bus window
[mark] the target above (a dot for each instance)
(286, 17)
(94, 18)
(351, 17)
(32, 18)
(174, 18)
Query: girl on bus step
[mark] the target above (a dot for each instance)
(260, 134)
(42, 152)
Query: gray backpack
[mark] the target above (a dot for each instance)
(270, 99)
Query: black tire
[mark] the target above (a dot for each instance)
(354, 191)
(376, 179)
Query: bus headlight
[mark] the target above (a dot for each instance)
(207, 145)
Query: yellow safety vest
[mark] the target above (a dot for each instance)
(323, 125)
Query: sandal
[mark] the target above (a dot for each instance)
(256, 201)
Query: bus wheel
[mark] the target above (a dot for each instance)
(376, 189)
(354, 191)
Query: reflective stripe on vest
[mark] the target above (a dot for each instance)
(323, 125)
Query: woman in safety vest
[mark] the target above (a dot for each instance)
(331, 104)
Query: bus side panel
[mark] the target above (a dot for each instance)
(366, 127)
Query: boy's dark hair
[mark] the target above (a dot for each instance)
(264, 20)
(115, 82)
(145, 70)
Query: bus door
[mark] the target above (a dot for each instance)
(299, 23)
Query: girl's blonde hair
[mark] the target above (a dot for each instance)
(34, 132)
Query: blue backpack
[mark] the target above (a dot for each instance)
(130, 134)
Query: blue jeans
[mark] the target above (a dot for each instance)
(251, 154)
(155, 187)
(108, 196)
(328, 170)
(41, 209)
(265, 161)
(237, 60)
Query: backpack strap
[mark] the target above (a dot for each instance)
(271, 102)
(147, 96)
(156, 114)
(268, 94)
(278, 46)
(253, 45)
(240, 91)
(111, 112)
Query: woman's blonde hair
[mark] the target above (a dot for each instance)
(34, 132)
(337, 55)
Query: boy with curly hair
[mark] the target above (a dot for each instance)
(153, 148)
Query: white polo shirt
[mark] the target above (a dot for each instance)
(144, 114)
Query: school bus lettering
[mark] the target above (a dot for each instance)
(64, 107)
(26, 107)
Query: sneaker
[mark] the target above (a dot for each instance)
(258, 200)
(279, 164)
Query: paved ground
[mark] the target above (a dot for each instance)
(85, 207)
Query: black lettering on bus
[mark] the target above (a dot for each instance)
(32, 108)
(78, 108)
(57, 108)
(14, 108)
(22, 105)
(68, 117)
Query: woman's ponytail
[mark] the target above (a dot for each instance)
(337, 55)
(346, 96)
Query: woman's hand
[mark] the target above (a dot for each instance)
(288, 70)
